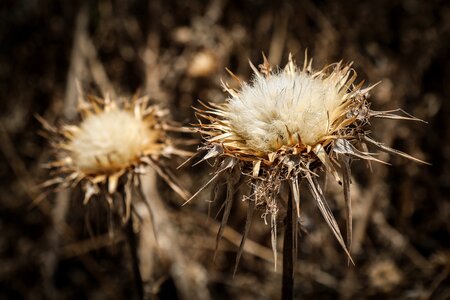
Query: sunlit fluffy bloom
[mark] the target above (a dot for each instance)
(111, 144)
(284, 109)
(110, 141)
(287, 125)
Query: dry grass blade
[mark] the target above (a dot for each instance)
(164, 173)
(224, 165)
(346, 175)
(213, 152)
(273, 236)
(295, 189)
(231, 188)
(326, 213)
(202, 188)
(387, 149)
(323, 156)
(390, 114)
(342, 146)
(188, 160)
(248, 223)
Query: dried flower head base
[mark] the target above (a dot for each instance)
(110, 147)
(287, 125)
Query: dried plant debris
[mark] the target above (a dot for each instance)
(110, 147)
(287, 125)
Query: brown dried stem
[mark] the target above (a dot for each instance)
(133, 246)
(189, 277)
(289, 251)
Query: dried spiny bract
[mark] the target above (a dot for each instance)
(286, 125)
(113, 142)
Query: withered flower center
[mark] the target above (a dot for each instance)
(110, 141)
(283, 110)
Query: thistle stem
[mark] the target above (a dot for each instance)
(289, 252)
(132, 244)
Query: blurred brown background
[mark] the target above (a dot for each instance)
(176, 52)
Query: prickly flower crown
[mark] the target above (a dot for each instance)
(285, 126)
(106, 151)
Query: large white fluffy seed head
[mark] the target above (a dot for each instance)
(109, 141)
(269, 111)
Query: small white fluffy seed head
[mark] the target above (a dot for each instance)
(269, 110)
(115, 140)
(105, 153)
(110, 141)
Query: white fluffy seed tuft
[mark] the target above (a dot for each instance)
(110, 141)
(270, 110)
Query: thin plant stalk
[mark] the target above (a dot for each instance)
(133, 247)
(289, 251)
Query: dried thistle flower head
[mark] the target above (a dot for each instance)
(287, 125)
(111, 141)
(111, 144)
(285, 109)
